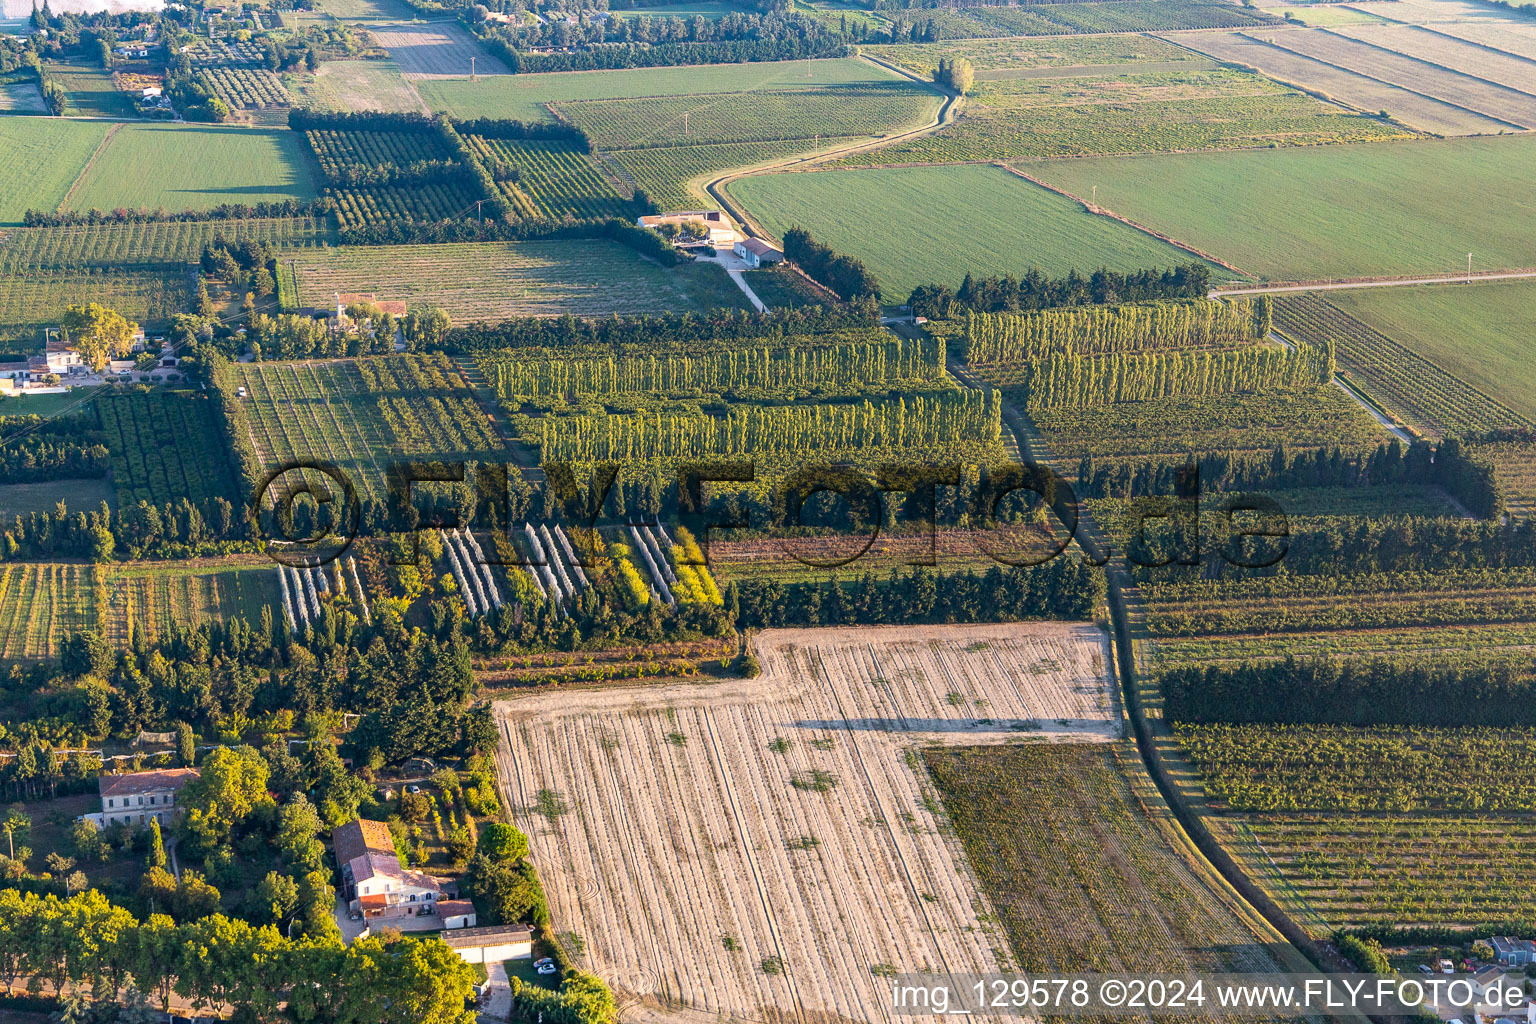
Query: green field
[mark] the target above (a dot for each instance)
(915, 225)
(665, 172)
(523, 96)
(1483, 333)
(712, 11)
(1131, 111)
(39, 157)
(993, 55)
(1329, 212)
(493, 280)
(195, 168)
(353, 85)
(90, 90)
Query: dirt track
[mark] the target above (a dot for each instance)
(765, 849)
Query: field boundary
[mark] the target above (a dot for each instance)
(1104, 212)
(1438, 67)
(1395, 85)
(89, 163)
(1339, 284)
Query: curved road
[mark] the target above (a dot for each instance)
(714, 188)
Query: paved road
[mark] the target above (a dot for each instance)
(1506, 275)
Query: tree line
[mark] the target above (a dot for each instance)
(1036, 291)
(1356, 691)
(1160, 324)
(1086, 382)
(674, 330)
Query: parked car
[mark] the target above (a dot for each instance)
(413, 788)
(545, 966)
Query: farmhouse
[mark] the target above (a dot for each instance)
(716, 225)
(134, 798)
(755, 252)
(373, 882)
(491, 943)
(1513, 952)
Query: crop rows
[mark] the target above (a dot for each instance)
(786, 368)
(1514, 464)
(245, 88)
(1063, 18)
(343, 151)
(557, 179)
(919, 420)
(1140, 327)
(1341, 768)
(1402, 869)
(38, 296)
(1170, 111)
(362, 415)
(750, 117)
(1401, 379)
(1318, 418)
(663, 173)
(1085, 879)
(165, 446)
(790, 817)
(135, 243)
(435, 201)
(42, 603)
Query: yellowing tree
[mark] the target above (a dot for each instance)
(961, 75)
(99, 333)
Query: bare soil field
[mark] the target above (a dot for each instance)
(1420, 112)
(436, 48)
(1429, 45)
(1518, 38)
(1431, 12)
(1518, 109)
(752, 849)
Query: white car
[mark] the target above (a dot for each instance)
(545, 966)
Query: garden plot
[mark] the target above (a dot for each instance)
(438, 48)
(754, 847)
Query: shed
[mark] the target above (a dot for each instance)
(755, 252)
(491, 943)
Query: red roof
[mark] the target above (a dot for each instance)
(134, 783)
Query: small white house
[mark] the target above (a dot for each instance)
(456, 913)
(755, 252)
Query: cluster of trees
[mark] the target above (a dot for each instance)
(99, 333)
(86, 942)
(1062, 588)
(593, 44)
(1449, 465)
(1099, 330)
(1405, 544)
(1356, 691)
(174, 529)
(844, 275)
(296, 336)
(956, 75)
(242, 266)
(1036, 291)
(1086, 382)
(61, 448)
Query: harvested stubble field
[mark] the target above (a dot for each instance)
(1447, 52)
(1421, 112)
(771, 846)
(522, 97)
(342, 85)
(1514, 108)
(493, 280)
(42, 603)
(1122, 112)
(1327, 211)
(1514, 37)
(436, 48)
(917, 225)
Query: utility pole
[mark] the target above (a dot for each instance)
(471, 68)
(685, 122)
(478, 218)
(1469, 268)
(1095, 196)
